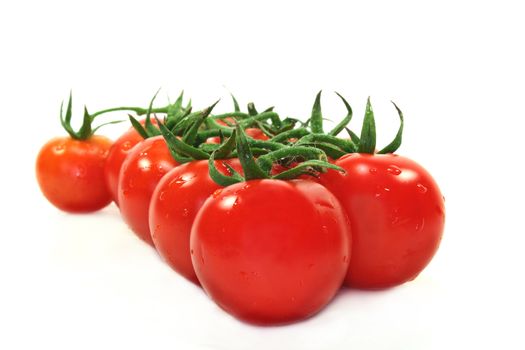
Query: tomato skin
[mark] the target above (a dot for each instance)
(140, 173)
(116, 156)
(70, 173)
(175, 203)
(271, 251)
(397, 215)
(254, 133)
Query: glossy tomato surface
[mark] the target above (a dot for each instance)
(271, 251)
(397, 216)
(140, 173)
(175, 203)
(70, 173)
(117, 155)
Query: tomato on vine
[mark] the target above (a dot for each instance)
(70, 170)
(269, 250)
(175, 203)
(395, 207)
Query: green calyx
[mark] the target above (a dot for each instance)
(367, 140)
(312, 161)
(175, 111)
(336, 147)
(86, 129)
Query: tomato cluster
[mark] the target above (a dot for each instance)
(270, 216)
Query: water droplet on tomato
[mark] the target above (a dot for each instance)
(126, 145)
(185, 212)
(394, 170)
(386, 189)
(325, 204)
(191, 251)
(420, 225)
(59, 149)
(162, 196)
(80, 172)
(217, 193)
(421, 188)
(372, 170)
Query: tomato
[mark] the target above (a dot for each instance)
(140, 173)
(254, 133)
(70, 173)
(271, 251)
(116, 156)
(397, 217)
(175, 203)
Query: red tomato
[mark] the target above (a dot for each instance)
(71, 173)
(252, 132)
(117, 155)
(397, 216)
(142, 170)
(227, 121)
(176, 200)
(271, 251)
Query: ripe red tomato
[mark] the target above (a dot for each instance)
(252, 132)
(116, 156)
(140, 173)
(397, 216)
(175, 203)
(71, 173)
(271, 251)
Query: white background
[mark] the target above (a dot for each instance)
(456, 68)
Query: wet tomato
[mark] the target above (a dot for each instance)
(271, 251)
(175, 203)
(70, 173)
(397, 217)
(116, 156)
(140, 173)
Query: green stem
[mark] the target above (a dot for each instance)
(345, 145)
(266, 161)
(249, 166)
(138, 110)
(295, 133)
(239, 115)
